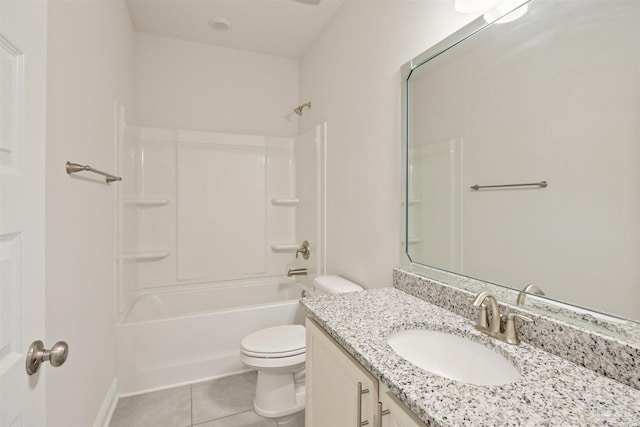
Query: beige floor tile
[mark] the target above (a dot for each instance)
(165, 408)
(244, 419)
(223, 397)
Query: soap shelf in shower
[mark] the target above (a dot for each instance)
(146, 255)
(144, 201)
(284, 247)
(284, 201)
(414, 240)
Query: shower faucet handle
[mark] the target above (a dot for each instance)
(304, 249)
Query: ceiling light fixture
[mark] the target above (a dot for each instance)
(511, 9)
(474, 6)
(219, 24)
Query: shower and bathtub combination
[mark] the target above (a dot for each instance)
(209, 224)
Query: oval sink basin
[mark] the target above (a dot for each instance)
(453, 357)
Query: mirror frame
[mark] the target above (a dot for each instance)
(624, 329)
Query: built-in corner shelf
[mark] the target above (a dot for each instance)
(284, 201)
(146, 255)
(284, 247)
(147, 201)
(413, 240)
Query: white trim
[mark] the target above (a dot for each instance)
(108, 406)
(183, 383)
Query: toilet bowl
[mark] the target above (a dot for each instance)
(278, 354)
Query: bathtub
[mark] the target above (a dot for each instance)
(171, 338)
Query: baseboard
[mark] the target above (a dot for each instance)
(108, 406)
(182, 383)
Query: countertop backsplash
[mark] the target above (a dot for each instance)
(608, 356)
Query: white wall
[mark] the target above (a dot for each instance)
(89, 66)
(188, 85)
(352, 76)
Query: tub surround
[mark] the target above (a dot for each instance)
(551, 390)
(609, 356)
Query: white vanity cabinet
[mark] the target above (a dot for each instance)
(394, 413)
(341, 393)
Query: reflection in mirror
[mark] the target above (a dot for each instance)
(552, 96)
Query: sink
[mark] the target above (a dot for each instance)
(453, 357)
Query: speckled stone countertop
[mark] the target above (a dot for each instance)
(550, 392)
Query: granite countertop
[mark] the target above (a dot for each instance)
(550, 392)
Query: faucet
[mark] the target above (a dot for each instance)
(483, 320)
(509, 333)
(531, 289)
(296, 272)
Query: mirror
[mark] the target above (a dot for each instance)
(552, 96)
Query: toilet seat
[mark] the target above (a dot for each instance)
(275, 342)
(279, 347)
(273, 355)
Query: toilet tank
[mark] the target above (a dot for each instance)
(329, 285)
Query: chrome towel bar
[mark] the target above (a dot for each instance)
(75, 167)
(541, 184)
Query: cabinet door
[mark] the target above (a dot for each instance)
(339, 391)
(394, 413)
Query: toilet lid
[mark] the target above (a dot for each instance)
(286, 340)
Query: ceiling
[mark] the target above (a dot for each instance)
(276, 27)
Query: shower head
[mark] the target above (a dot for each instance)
(298, 109)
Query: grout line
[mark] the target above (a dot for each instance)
(223, 417)
(191, 403)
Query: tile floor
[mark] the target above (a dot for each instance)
(223, 402)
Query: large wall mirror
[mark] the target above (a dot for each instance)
(550, 99)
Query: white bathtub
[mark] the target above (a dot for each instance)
(172, 338)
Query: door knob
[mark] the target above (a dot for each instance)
(37, 354)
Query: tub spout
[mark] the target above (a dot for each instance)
(296, 272)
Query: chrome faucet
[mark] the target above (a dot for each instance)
(494, 328)
(296, 272)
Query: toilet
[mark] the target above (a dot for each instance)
(278, 354)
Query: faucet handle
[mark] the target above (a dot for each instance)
(510, 332)
(519, 316)
(304, 249)
(483, 317)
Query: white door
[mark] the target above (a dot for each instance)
(23, 27)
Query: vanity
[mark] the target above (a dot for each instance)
(354, 377)
(340, 391)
